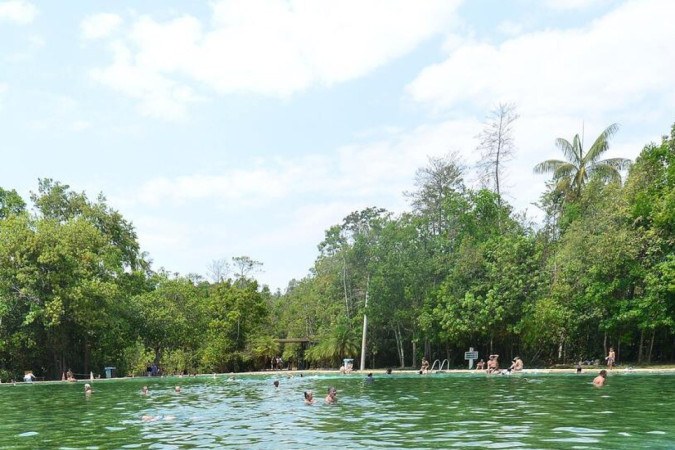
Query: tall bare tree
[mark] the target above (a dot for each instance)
(218, 270)
(497, 145)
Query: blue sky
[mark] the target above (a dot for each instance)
(230, 128)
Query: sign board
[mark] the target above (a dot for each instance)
(471, 355)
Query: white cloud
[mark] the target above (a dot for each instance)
(18, 11)
(510, 28)
(4, 87)
(268, 47)
(574, 4)
(366, 170)
(100, 25)
(80, 125)
(611, 65)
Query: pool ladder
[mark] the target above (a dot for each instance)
(445, 364)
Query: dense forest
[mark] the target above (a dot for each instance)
(461, 268)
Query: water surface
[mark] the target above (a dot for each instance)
(397, 411)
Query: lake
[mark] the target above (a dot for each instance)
(405, 410)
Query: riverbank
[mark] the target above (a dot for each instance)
(309, 372)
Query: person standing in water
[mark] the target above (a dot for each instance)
(611, 357)
(309, 398)
(331, 398)
(599, 381)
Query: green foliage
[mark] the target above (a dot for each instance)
(135, 359)
(460, 269)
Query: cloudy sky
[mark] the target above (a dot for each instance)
(228, 128)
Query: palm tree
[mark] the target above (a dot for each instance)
(571, 175)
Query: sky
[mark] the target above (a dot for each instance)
(248, 128)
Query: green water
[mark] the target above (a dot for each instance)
(398, 411)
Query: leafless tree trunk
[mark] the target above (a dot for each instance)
(497, 145)
(218, 270)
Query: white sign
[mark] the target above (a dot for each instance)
(471, 355)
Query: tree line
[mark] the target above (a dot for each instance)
(461, 268)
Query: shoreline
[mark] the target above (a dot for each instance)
(359, 373)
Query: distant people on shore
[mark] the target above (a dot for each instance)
(424, 369)
(493, 364)
(309, 398)
(331, 398)
(599, 381)
(480, 365)
(347, 367)
(516, 364)
(611, 358)
(579, 367)
(29, 377)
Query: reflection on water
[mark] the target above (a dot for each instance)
(398, 411)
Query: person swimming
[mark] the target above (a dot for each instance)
(177, 389)
(331, 398)
(599, 381)
(87, 389)
(144, 390)
(309, 398)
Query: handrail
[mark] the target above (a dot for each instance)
(434, 364)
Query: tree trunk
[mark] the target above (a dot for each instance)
(651, 347)
(414, 352)
(399, 347)
(400, 338)
(86, 355)
(604, 343)
(618, 348)
(642, 339)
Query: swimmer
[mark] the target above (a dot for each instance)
(276, 383)
(177, 389)
(369, 379)
(599, 381)
(150, 418)
(144, 390)
(331, 398)
(309, 398)
(87, 389)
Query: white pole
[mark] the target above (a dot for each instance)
(365, 328)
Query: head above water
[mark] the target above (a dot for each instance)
(276, 383)
(308, 395)
(603, 373)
